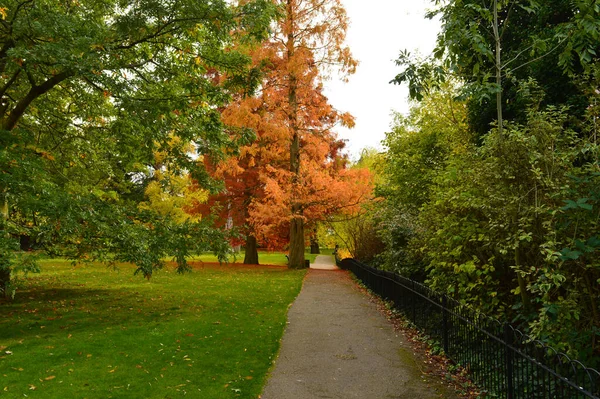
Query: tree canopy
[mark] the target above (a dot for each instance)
(498, 205)
(89, 92)
(294, 175)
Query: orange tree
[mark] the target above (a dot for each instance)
(293, 174)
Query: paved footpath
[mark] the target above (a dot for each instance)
(338, 345)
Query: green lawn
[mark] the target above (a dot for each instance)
(264, 257)
(95, 332)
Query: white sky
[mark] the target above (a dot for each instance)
(378, 30)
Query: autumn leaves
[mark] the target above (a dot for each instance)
(294, 174)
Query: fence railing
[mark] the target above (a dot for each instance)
(500, 359)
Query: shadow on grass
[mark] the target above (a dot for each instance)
(56, 311)
(35, 295)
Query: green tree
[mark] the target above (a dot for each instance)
(494, 46)
(509, 230)
(417, 150)
(89, 91)
(508, 224)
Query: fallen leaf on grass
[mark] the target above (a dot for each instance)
(50, 377)
(32, 387)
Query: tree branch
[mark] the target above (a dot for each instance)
(11, 121)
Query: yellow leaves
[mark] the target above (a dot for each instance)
(3, 13)
(171, 194)
(49, 378)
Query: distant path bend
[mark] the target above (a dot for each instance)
(338, 345)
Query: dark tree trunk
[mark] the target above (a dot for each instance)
(297, 243)
(314, 246)
(296, 257)
(4, 281)
(251, 256)
(25, 243)
(4, 268)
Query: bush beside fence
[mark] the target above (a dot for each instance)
(502, 360)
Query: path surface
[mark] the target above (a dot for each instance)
(324, 262)
(338, 345)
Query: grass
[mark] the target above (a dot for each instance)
(264, 257)
(94, 332)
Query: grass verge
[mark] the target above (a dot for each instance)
(94, 332)
(264, 257)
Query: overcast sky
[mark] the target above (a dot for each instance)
(378, 30)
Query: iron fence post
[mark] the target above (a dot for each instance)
(508, 340)
(445, 324)
(413, 301)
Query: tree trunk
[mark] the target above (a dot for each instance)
(498, 70)
(25, 242)
(4, 281)
(520, 279)
(314, 246)
(297, 244)
(297, 221)
(251, 256)
(4, 268)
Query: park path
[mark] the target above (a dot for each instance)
(338, 345)
(324, 262)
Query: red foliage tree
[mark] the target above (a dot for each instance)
(293, 175)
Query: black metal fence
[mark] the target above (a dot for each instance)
(500, 359)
